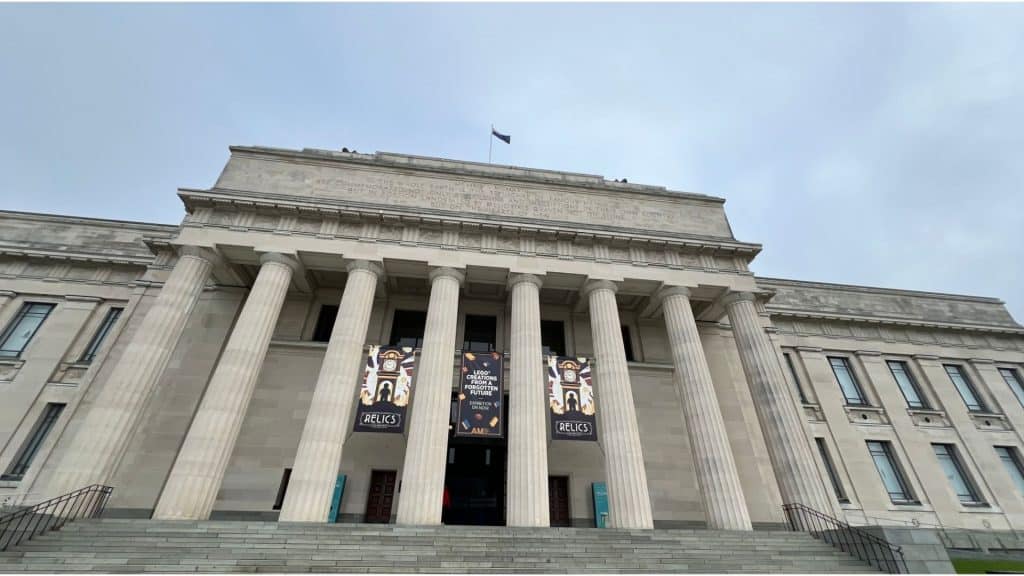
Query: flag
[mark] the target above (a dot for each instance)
(503, 137)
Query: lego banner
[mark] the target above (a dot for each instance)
(480, 395)
(571, 399)
(386, 390)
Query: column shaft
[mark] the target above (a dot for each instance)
(785, 431)
(420, 502)
(528, 503)
(329, 420)
(115, 409)
(725, 506)
(629, 502)
(195, 479)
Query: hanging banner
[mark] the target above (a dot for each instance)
(571, 399)
(387, 387)
(480, 395)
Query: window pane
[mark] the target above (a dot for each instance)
(963, 386)
(480, 334)
(552, 337)
(954, 473)
(325, 323)
(408, 327)
(796, 379)
(20, 331)
(906, 383)
(101, 333)
(28, 450)
(1012, 463)
(841, 368)
(830, 468)
(1012, 379)
(891, 477)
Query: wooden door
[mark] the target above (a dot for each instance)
(382, 494)
(558, 497)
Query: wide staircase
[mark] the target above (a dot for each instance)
(117, 545)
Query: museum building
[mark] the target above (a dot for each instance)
(342, 337)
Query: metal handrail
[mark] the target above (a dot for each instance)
(52, 514)
(852, 540)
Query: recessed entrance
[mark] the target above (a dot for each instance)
(475, 480)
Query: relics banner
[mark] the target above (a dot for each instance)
(387, 387)
(480, 395)
(571, 399)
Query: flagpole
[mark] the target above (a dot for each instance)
(490, 144)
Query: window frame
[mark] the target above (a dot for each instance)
(91, 349)
(391, 333)
(467, 344)
(16, 321)
(982, 406)
(862, 399)
(901, 477)
(1017, 387)
(546, 350)
(960, 467)
(922, 400)
(33, 442)
(833, 472)
(1014, 458)
(788, 359)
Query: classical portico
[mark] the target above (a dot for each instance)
(370, 229)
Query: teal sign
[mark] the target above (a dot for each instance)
(600, 504)
(339, 490)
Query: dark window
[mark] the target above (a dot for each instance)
(21, 330)
(97, 339)
(627, 343)
(951, 465)
(889, 470)
(30, 448)
(552, 337)
(481, 334)
(965, 388)
(905, 380)
(1012, 379)
(831, 469)
(847, 381)
(282, 489)
(796, 379)
(325, 323)
(407, 328)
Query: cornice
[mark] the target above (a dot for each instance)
(68, 256)
(769, 282)
(104, 222)
(804, 314)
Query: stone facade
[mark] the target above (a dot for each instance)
(210, 384)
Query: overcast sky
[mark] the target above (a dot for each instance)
(878, 145)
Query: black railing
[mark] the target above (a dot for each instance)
(52, 514)
(854, 541)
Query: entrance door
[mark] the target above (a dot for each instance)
(382, 494)
(558, 497)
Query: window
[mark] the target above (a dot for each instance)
(481, 334)
(97, 339)
(831, 469)
(964, 387)
(848, 383)
(889, 470)
(282, 489)
(627, 343)
(1012, 379)
(30, 448)
(21, 330)
(954, 470)
(1011, 460)
(407, 328)
(907, 384)
(552, 337)
(325, 323)
(796, 379)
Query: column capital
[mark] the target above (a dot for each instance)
(439, 271)
(731, 297)
(202, 252)
(288, 260)
(594, 284)
(375, 268)
(667, 291)
(518, 278)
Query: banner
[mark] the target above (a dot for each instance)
(571, 399)
(387, 387)
(480, 395)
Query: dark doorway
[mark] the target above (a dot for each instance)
(382, 494)
(558, 496)
(474, 479)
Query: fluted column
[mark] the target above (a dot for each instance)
(629, 502)
(724, 504)
(115, 410)
(192, 486)
(528, 503)
(315, 471)
(422, 493)
(785, 431)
